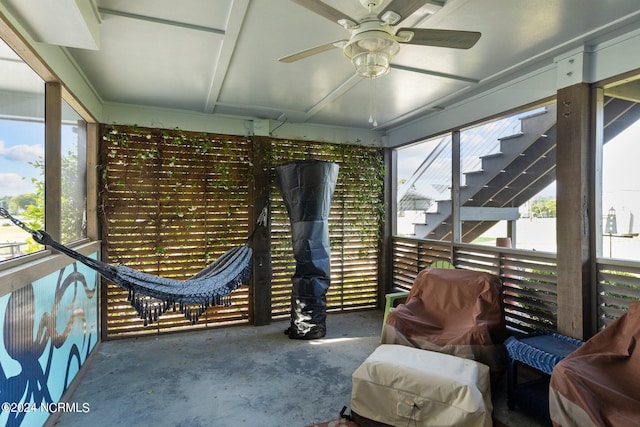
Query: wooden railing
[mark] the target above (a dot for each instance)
(618, 284)
(529, 279)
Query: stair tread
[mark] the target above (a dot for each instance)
(512, 136)
(492, 155)
(475, 172)
(535, 114)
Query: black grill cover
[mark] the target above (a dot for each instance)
(307, 189)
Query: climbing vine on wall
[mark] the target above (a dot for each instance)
(355, 223)
(360, 179)
(158, 185)
(171, 202)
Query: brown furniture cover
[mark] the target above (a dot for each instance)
(452, 311)
(599, 384)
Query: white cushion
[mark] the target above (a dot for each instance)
(397, 384)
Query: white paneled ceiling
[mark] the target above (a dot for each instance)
(220, 57)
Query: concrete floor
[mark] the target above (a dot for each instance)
(236, 376)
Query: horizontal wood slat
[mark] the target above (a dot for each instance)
(171, 203)
(618, 287)
(529, 280)
(174, 201)
(354, 224)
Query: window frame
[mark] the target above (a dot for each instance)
(456, 136)
(12, 271)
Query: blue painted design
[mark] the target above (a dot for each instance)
(49, 328)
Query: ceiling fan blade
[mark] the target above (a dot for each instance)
(440, 38)
(404, 8)
(312, 51)
(324, 10)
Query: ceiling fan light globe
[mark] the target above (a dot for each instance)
(371, 64)
(371, 52)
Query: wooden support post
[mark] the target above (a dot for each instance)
(574, 199)
(53, 156)
(385, 263)
(262, 270)
(456, 221)
(92, 144)
(512, 232)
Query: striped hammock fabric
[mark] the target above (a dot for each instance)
(152, 295)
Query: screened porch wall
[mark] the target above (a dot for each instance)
(143, 160)
(172, 201)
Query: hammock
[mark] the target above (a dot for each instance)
(151, 295)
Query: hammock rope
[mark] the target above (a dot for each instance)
(151, 295)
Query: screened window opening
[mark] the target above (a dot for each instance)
(507, 193)
(424, 187)
(21, 153)
(620, 207)
(507, 183)
(73, 175)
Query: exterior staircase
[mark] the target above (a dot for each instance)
(533, 131)
(523, 167)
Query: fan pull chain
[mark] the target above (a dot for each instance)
(372, 103)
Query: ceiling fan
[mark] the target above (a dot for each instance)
(373, 42)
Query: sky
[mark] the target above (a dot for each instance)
(21, 142)
(621, 177)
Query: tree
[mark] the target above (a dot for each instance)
(544, 207)
(20, 202)
(34, 212)
(73, 202)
